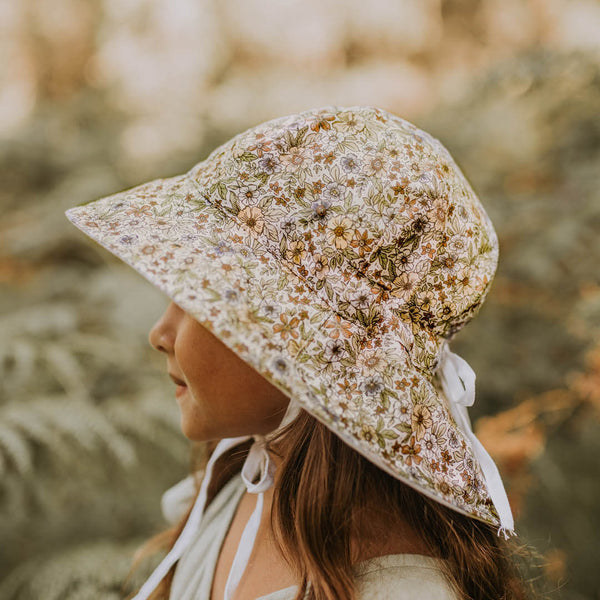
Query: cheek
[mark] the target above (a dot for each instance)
(200, 359)
(190, 356)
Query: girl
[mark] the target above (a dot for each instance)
(318, 265)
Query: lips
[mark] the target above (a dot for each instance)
(177, 380)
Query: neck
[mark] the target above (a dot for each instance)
(375, 535)
(372, 535)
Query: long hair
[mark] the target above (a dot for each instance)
(323, 487)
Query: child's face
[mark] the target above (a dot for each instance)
(222, 396)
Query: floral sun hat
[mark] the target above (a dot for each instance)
(336, 251)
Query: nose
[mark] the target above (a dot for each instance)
(162, 334)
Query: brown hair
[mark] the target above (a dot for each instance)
(324, 486)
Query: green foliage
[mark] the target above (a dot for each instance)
(91, 571)
(89, 430)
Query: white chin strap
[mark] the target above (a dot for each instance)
(458, 382)
(257, 473)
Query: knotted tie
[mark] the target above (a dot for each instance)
(458, 382)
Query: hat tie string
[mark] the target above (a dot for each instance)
(258, 464)
(458, 383)
(192, 523)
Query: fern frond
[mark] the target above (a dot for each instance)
(88, 426)
(110, 350)
(63, 426)
(20, 355)
(65, 368)
(83, 572)
(135, 419)
(27, 420)
(14, 448)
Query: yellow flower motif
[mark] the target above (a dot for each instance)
(421, 420)
(296, 252)
(339, 231)
(349, 121)
(368, 433)
(253, 218)
(321, 267)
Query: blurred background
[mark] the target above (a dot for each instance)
(100, 95)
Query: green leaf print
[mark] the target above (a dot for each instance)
(247, 156)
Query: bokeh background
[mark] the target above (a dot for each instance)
(100, 95)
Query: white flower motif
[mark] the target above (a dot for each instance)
(370, 361)
(404, 285)
(334, 191)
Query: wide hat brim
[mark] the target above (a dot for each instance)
(364, 388)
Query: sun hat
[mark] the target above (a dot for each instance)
(337, 251)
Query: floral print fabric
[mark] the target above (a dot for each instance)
(335, 251)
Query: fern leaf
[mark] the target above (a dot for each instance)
(14, 447)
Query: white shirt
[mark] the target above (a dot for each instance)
(395, 576)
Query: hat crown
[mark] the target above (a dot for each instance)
(372, 212)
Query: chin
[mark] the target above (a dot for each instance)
(194, 433)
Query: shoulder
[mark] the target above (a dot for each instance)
(402, 577)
